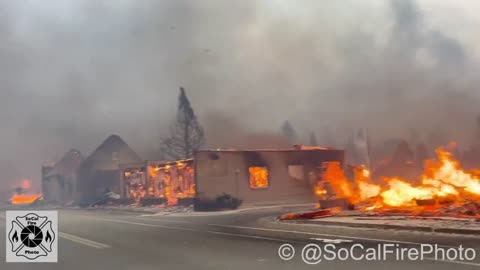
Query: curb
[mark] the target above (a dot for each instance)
(275, 207)
(201, 213)
(241, 210)
(118, 210)
(389, 226)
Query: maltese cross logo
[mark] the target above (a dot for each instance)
(32, 235)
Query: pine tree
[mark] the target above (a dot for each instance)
(186, 133)
(289, 132)
(313, 139)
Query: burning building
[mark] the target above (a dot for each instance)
(114, 168)
(262, 176)
(156, 182)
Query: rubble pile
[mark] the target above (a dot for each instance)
(468, 210)
(444, 188)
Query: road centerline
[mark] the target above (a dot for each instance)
(200, 231)
(83, 241)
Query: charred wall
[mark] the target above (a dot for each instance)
(292, 174)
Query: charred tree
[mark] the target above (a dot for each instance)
(186, 133)
(289, 132)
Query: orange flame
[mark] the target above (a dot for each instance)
(258, 177)
(26, 184)
(333, 174)
(442, 178)
(25, 199)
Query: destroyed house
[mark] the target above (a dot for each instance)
(158, 182)
(100, 172)
(59, 182)
(258, 177)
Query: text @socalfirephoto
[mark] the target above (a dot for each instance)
(315, 254)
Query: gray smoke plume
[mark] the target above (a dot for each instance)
(73, 72)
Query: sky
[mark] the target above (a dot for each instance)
(73, 72)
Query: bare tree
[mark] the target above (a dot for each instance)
(186, 133)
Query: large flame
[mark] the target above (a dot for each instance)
(442, 179)
(25, 198)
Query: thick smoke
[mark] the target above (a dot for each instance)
(73, 72)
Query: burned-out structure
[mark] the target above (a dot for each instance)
(157, 182)
(59, 181)
(261, 176)
(100, 172)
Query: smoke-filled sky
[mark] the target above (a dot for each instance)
(72, 72)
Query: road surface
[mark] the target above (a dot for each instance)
(100, 239)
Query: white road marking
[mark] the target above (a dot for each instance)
(83, 241)
(327, 235)
(251, 236)
(166, 220)
(148, 225)
(195, 230)
(332, 241)
(241, 210)
(457, 262)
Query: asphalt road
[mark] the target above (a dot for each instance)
(112, 240)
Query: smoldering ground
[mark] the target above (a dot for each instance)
(73, 72)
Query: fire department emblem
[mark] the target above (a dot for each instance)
(32, 236)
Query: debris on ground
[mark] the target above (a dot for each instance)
(469, 210)
(148, 209)
(309, 215)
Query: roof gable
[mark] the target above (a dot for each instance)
(68, 165)
(112, 152)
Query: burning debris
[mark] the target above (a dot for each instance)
(444, 189)
(19, 199)
(308, 215)
(23, 196)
